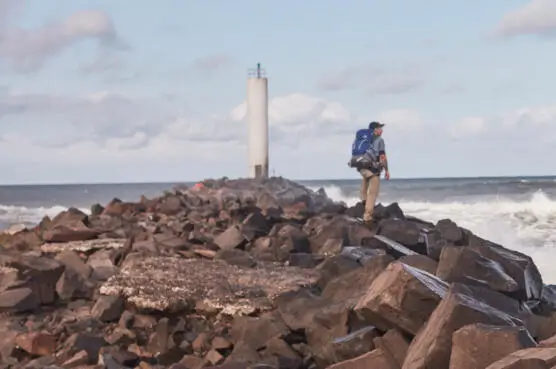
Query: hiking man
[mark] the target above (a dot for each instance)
(369, 157)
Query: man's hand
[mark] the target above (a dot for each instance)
(387, 175)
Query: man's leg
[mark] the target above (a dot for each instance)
(366, 175)
(372, 194)
(364, 184)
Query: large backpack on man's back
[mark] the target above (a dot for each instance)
(360, 158)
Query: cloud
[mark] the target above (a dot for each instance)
(26, 50)
(118, 134)
(373, 80)
(529, 124)
(537, 17)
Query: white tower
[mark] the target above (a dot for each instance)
(257, 120)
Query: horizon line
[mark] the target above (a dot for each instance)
(292, 179)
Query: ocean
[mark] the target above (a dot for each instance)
(517, 212)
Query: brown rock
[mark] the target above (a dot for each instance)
(421, 262)
(374, 359)
(354, 344)
(401, 296)
(394, 345)
(403, 231)
(464, 265)
(530, 358)
(461, 306)
(230, 239)
(68, 233)
(518, 266)
(108, 308)
(214, 357)
(191, 362)
(78, 360)
(20, 241)
(220, 343)
(19, 300)
(201, 343)
(350, 287)
(256, 332)
(476, 346)
(172, 284)
(40, 274)
(37, 343)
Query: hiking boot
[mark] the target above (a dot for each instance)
(371, 224)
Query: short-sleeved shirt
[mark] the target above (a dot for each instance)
(377, 148)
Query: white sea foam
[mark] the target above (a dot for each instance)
(528, 226)
(10, 214)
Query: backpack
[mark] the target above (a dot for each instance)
(362, 142)
(360, 158)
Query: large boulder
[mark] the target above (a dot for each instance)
(401, 297)
(462, 305)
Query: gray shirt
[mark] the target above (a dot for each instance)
(377, 148)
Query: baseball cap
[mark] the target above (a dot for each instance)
(374, 125)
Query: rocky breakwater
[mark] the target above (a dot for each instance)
(241, 273)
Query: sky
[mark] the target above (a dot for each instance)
(130, 91)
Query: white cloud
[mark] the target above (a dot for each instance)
(536, 17)
(27, 49)
(467, 127)
(535, 124)
(108, 130)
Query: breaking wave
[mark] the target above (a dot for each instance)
(10, 214)
(528, 226)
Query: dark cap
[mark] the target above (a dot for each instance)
(374, 125)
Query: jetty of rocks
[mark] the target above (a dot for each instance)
(245, 273)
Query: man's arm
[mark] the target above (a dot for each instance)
(384, 159)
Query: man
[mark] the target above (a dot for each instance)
(370, 181)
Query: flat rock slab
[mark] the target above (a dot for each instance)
(84, 246)
(173, 284)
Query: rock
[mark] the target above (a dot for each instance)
(169, 283)
(19, 300)
(230, 239)
(462, 305)
(20, 241)
(84, 246)
(405, 232)
(350, 287)
(102, 265)
(68, 233)
(333, 267)
(394, 345)
(394, 248)
(255, 225)
(530, 358)
(450, 231)
(256, 332)
(108, 308)
(80, 359)
(37, 343)
(288, 239)
(354, 344)
(236, 257)
(464, 265)
(14, 229)
(40, 274)
(476, 346)
(517, 265)
(401, 297)
(374, 359)
(421, 262)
